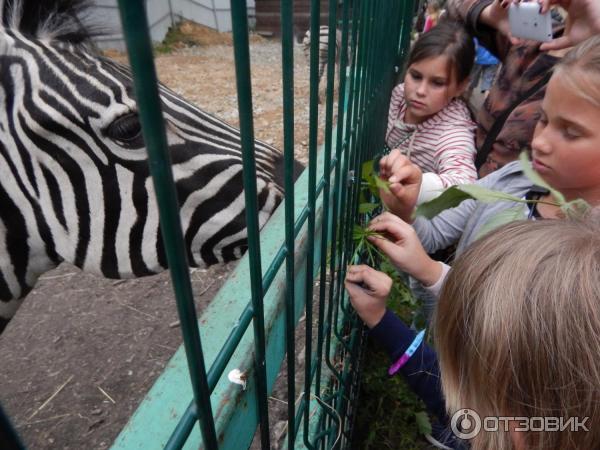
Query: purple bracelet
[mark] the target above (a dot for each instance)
(412, 348)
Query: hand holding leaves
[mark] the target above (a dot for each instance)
(400, 243)
(368, 290)
(404, 180)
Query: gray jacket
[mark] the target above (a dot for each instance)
(462, 224)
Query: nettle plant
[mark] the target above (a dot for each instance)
(370, 205)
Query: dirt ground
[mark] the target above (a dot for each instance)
(83, 351)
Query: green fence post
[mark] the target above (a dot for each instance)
(135, 25)
(239, 19)
(287, 56)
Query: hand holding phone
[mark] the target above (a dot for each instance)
(583, 22)
(527, 22)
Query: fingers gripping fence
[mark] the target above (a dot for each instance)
(317, 216)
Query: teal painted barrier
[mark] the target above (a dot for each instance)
(235, 410)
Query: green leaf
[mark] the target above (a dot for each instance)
(423, 423)
(450, 198)
(381, 184)
(502, 218)
(576, 209)
(366, 208)
(367, 170)
(357, 231)
(537, 179)
(362, 197)
(487, 195)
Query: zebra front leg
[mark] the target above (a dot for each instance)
(322, 86)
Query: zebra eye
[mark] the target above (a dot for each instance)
(126, 130)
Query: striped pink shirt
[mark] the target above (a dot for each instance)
(443, 146)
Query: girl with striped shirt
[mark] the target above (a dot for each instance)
(427, 120)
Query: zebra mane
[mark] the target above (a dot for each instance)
(58, 20)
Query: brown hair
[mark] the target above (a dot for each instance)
(580, 69)
(447, 38)
(517, 329)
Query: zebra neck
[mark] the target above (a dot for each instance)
(26, 249)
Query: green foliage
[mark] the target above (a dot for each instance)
(574, 209)
(536, 179)
(371, 181)
(454, 195)
(502, 218)
(367, 208)
(485, 195)
(423, 423)
(450, 198)
(363, 248)
(389, 415)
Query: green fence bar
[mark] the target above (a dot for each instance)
(337, 190)
(315, 13)
(239, 20)
(331, 50)
(137, 38)
(287, 58)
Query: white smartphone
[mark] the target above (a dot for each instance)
(526, 22)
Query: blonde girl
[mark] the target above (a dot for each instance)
(517, 334)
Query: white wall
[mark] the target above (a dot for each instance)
(162, 14)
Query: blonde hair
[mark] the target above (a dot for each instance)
(517, 329)
(580, 70)
(435, 7)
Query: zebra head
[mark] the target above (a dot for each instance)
(74, 180)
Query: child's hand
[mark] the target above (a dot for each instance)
(404, 248)
(368, 290)
(405, 183)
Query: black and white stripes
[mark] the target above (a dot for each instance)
(74, 181)
(323, 48)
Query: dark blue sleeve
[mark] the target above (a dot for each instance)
(421, 371)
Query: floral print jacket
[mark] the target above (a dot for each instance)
(522, 67)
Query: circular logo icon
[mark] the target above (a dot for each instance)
(465, 424)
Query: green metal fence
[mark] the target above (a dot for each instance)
(285, 278)
(280, 275)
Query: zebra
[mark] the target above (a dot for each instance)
(74, 179)
(323, 49)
